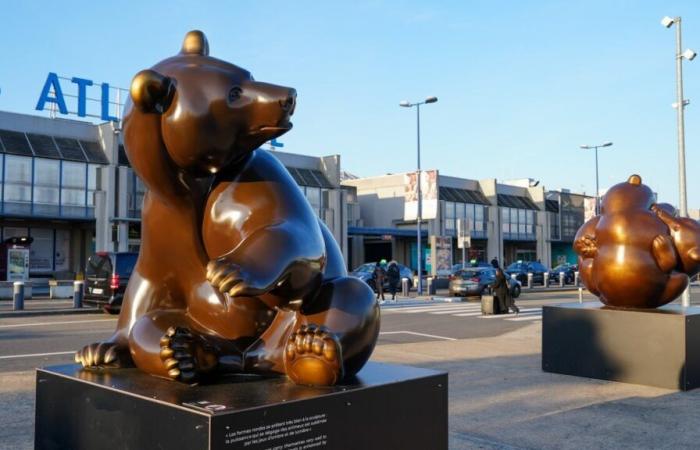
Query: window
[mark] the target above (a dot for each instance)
(449, 216)
(92, 184)
(313, 195)
(41, 250)
(73, 188)
(46, 186)
(18, 184)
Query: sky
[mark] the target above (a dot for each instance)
(520, 84)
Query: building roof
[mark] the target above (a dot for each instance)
(463, 195)
(48, 146)
(516, 201)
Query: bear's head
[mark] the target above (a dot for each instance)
(211, 112)
(627, 196)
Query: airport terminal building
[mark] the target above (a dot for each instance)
(68, 185)
(516, 220)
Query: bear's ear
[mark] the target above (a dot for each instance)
(195, 43)
(152, 92)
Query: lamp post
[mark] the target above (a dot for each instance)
(680, 105)
(407, 104)
(597, 187)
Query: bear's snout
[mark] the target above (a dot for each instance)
(289, 103)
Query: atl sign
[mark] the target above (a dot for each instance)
(53, 93)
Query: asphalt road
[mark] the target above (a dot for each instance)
(30, 342)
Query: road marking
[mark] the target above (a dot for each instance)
(523, 312)
(418, 334)
(464, 309)
(420, 309)
(36, 355)
(42, 324)
(519, 319)
(471, 314)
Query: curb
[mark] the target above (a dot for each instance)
(48, 312)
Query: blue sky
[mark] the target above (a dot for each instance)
(520, 84)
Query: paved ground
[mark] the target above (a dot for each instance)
(499, 397)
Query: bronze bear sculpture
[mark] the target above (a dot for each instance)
(636, 253)
(236, 273)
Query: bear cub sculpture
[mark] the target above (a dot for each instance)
(636, 253)
(236, 273)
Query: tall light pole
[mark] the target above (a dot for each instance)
(597, 187)
(680, 105)
(407, 104)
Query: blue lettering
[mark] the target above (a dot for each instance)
(274, 143)
(52, 82)
(82, 93)
(105, 104)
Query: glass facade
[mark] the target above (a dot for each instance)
(476, 214)
(317, 197)
(135, 192)
(554, 233)
(45, 187)
(518, 224)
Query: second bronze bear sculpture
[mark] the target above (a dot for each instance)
(236, 273)
(637, 253)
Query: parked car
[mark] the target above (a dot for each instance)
(520, 269)
(106, 277)
(476, 281)
(458, 266)
(365, 272)
(568, 269)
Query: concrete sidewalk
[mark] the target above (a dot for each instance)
(40, 306)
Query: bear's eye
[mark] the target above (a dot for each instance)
(234, 94)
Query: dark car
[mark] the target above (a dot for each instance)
(569, 273)
(520, 269)
(365, 272)
(476, 281)
(106, 277)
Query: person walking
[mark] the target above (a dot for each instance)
(494, 263)
(379, 274)
(502, 292)
(394, 275)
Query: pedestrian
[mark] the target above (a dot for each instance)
(379, 274)
(502, 292)
(394, 275)
(494, 263)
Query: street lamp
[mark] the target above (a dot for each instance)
(680, 105)
(597, 188)
(407, 104)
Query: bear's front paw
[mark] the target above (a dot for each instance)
(103, 354)
(230, 279)
(185, 356)
(586, 246)
(313, 357)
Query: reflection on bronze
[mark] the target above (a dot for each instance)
(636, 253)
(236, 273)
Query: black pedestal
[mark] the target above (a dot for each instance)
(385, 407)
(658, 347)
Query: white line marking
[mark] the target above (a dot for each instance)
(419, 334)
(471, 314)
(433, 308)
(519, 319)
(42, 324)
(453, 311)
(34, 355)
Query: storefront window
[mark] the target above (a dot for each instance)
(46, 186)
(73, 189)
(18, 184)
(41, 250)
